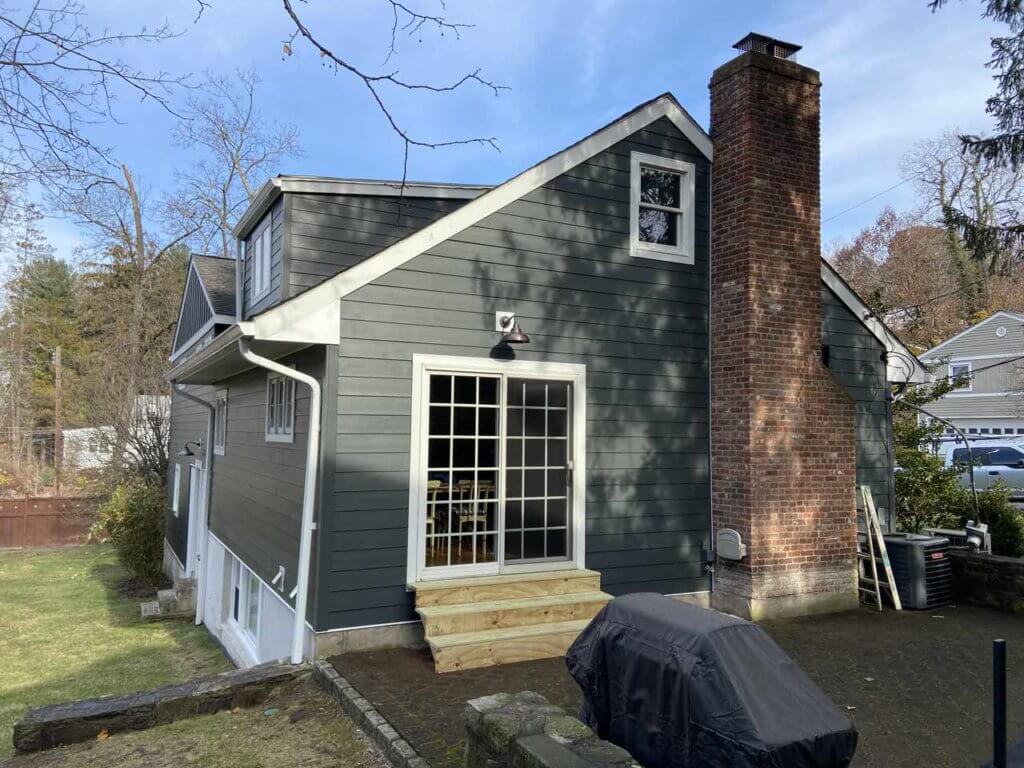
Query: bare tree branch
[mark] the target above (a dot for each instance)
(57, 79)
(416, 21)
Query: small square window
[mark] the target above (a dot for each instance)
(960, 376)
(280, 422)
(661, 208)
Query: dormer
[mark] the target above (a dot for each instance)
(207, 305)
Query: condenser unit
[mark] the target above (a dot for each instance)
(922, 569)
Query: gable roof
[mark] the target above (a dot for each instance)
(901, 363)
(300, 313)
(314, 315)
(218, 277)
(931, 354)
(213, 279)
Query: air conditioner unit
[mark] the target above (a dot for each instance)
(922, 569)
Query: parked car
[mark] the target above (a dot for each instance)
(993, 461)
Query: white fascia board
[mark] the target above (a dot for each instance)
(930, 354)
(898, 369)
(276, 321)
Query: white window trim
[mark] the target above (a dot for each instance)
(678, 254)
(176, 496)
(258, 250)
(241, 578)
(279, 437)
(970, 379)
(220, 412)
(423, 365)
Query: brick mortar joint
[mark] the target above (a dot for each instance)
(396, 748)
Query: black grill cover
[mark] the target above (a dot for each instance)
(684, 687)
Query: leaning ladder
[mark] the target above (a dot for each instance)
(869, 585)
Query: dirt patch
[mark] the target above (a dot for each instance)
(132, 589)
(298, 725)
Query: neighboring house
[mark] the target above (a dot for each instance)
(988, 358)
(88, 447)
(435, 382)
(93, 447)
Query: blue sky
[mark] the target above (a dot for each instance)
(893, 73)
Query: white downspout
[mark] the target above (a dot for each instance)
(203, 523)
(308, 491)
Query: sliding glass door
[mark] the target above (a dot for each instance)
(495, 472)
(537, 471)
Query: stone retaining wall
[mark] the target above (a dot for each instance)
(989, 580)
(75, 721)
(524, 730)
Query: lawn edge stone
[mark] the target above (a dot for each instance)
(76, 721)
(398, 750)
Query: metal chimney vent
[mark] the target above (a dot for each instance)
(767, 45)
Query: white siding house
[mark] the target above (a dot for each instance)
(989, 358)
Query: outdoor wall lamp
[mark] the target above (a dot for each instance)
(186, 451)
(507, 324)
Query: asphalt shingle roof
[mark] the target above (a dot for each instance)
(218, 276)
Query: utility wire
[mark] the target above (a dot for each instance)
(865, 201)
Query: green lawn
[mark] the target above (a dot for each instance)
(299, 725)
(67, 634)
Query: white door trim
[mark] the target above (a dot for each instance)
(196, 501)
(424, 364)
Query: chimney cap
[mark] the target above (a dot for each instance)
(767, 45)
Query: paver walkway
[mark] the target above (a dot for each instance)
(921, 684)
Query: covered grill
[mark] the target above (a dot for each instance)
(684, 687)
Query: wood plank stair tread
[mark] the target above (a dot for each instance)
(510, 633)
(508, 578)
(458, 609)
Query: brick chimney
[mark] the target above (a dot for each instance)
(782, 429)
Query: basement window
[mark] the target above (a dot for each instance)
(245, 601)
(661, 224)
(280, 409)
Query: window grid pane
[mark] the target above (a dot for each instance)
(462, 470)
(536, 523)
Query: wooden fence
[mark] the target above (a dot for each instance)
(45, 521)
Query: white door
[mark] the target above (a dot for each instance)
(496, 450)
(196, 500)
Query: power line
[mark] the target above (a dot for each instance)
(865, 201)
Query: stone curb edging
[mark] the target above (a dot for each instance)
(399, 751)
(77, 721)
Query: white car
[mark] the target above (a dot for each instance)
(993, 461)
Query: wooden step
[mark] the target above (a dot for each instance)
(487, 589)
(499, 614)
(471, 650)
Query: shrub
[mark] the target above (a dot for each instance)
(133, 518)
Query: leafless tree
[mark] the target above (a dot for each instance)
(130, 247)
(411, 22)
(58, 80)
(948, 178)
(239, 150)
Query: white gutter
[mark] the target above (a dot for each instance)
(202, 523)
(308, 491)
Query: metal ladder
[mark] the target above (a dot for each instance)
(868, 583)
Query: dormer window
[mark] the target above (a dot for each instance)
(259, 260)
(661, 208)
